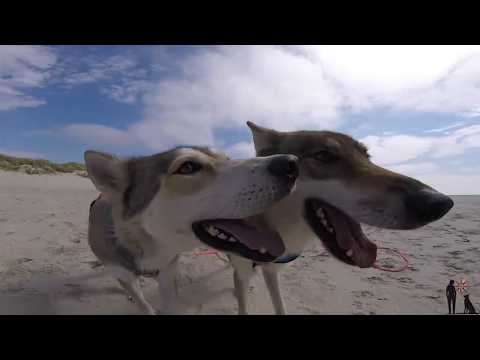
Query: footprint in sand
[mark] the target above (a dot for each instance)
(455, 253)
(22, 260)
(406, 280)
(363, 293)
(433, 297)
(453, 266)
(421, 286)
(377, 280)
(69, 224)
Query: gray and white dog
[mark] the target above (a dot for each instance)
(153, 208)
(338, 188)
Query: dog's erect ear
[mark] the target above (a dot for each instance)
(263, 138)
(105, 171)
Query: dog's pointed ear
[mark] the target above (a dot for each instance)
(106, 172)
(263, 138)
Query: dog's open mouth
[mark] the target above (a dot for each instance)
(246, 237)
(340, 234)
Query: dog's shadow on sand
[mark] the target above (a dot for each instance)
(47, 295)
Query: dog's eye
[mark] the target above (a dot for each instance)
(325, 156)
(188, 168)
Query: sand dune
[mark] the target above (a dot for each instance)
(44, 255)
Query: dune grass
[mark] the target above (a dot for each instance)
(40, 166)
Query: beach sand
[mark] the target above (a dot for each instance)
(44, 253)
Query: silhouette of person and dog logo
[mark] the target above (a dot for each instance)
(451, 293)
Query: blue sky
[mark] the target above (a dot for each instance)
(416, 107)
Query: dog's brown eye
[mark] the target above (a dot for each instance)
(325, 156)
(188, 168)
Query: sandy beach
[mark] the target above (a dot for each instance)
(44, 253)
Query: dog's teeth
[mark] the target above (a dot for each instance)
(222, 236)
(330, 230)
(324, 222)
(263, 250)
(320, 213)
(212, 230)
(232, 239)
(350, 253)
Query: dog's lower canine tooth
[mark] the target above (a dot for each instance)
(263, 250)
(350, 252)
(320, 213)
(330, 230)
(211, 230)
(232, 239)
(222, 236)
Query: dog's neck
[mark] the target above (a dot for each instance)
(149, 248)
(287, 218)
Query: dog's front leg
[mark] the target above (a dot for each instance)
(167, 285)
(243, 272)
(270, 274)
(132, 286)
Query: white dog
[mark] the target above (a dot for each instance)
(151, 209)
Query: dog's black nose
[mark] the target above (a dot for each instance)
(427, 205)
(284, 166)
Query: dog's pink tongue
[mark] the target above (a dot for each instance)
(350, 236)
(251, 236)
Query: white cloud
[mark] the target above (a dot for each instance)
(99, 135)
(396, 149)
(128, 92)
(412, 77)
(415, 169)
(99, 69)
(225, 87)
(300, 87)
(445, 128)
(453, 184)
(23, 67)
(241, 150)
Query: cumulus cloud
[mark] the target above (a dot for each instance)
(23, 68)
(98, 69)
(408, 77)
(128, 91)
(95, 134)
(299, 87)
(222, 88)
(241, 150)
(395, 149)
(445, 128)
(415, 169)
(453, 184)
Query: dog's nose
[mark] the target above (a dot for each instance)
(427, 205)
(284, 166)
